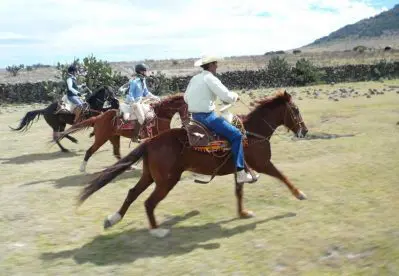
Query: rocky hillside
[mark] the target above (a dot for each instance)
(376, 32)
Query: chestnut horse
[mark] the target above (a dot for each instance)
(108, 125)
(168, 155)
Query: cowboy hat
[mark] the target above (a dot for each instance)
(205, 60)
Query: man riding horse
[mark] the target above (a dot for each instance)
(200, 96)
(137, 91)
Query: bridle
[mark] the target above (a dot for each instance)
(295, 118)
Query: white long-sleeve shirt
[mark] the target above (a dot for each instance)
(203, 90)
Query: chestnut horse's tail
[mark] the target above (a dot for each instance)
(110, 173)
(77, 127)
(27, 120)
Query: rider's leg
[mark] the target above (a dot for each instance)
(221, 127)
(138, 111)
(78, 108)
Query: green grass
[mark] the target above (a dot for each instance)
(348, 226)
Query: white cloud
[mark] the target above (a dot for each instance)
(127, 30)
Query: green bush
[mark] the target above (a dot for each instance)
(95, 73)
(305, 72)
(14, 69)
(360, 49)
(279, 70)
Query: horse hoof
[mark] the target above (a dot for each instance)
(247, 214)
(107, 224)
(111, 220)
(83, 166)
(65, 150)
(159, 232)
(301, 196)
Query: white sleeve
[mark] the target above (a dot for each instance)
(185, 94)
(70, 88)
(216, 86)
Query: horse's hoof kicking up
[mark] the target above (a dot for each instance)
(159, 232)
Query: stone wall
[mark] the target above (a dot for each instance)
(249, 79)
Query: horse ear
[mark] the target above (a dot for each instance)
(287, 96)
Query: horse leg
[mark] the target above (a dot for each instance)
(271, 170)
(97, 144)
(242, 213)
(57, 130)
(162, 188)
(72, 139)
(116, 143)
(144, 182)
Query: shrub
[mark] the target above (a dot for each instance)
(14, 69)
(95, 73)
(305, 72)
(278, 69)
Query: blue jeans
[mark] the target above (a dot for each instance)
(223, 128)
(75, 100)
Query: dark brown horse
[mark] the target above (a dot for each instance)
(108, 125)
(58, 121)
(168, 155)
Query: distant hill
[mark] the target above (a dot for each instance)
(374, 32)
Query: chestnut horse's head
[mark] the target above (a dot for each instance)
(293, 119)
(275, 111)
(170, 105)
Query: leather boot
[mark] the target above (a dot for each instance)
(136, 132)
(77, 112)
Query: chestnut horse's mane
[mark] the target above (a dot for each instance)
(167, 100)
(277, 99)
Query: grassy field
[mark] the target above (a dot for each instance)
(348, 167)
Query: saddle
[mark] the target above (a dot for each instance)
(65, 106)
(146, 127)
(129, 114)
(202, 139)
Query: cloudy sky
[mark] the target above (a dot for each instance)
(48, 31)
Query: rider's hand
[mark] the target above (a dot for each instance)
(80, 95)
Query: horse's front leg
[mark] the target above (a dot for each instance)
(271, 170)
(239, 191)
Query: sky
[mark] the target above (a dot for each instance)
(51, 31)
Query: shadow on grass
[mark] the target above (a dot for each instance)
(324, 136)
(32, 157)
(131, 245)
(83, 179)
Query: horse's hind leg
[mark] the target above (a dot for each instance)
(271, 170)
(145, 181)
(56, 130)
(116, 143)
(162, 188)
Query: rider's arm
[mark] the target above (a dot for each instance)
(70, 88)
(216, 86)
(147, 93)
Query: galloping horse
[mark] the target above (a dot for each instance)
(168, 155)
(109, 126)
(58, 120)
